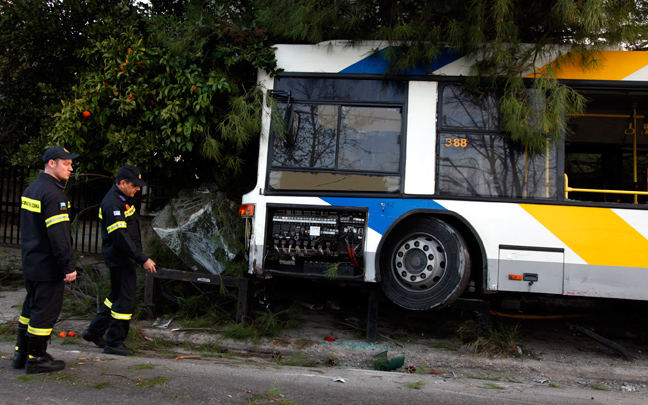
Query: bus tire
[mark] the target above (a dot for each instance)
(424, 265)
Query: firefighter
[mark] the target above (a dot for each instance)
(122, 250)
(47, 261)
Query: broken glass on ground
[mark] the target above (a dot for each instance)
(189, 225)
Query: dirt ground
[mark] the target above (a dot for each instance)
(540, 346)
(544, 351)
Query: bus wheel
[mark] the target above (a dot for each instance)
(424, 265)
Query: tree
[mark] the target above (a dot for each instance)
(176, 98)
(504, 39)
(39, 60)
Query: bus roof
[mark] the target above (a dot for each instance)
(339, 57)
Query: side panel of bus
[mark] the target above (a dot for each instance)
(548, 247)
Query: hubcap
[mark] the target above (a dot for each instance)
(420, 262)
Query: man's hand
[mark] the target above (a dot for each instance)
(70, 277)
(149, 266)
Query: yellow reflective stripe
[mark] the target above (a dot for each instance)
(100, 216)
(56, 219)
(123, 317)
(613, 65)
(130, 212)
(116, 225)
(39, 331)
(593, 234)
(23, 320)
(108, 303)
(31, 205)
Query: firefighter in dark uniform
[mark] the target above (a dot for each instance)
(122, 250)
(47, 261)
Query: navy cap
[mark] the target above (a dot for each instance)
(58, 152)
(132, 174)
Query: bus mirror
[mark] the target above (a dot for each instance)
(291, 120)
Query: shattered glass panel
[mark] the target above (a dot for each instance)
(188, 226)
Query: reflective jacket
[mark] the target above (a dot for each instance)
(120, 230)
(46, 240)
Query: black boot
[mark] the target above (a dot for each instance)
(20, 355)
(39, 360)
(99, 341)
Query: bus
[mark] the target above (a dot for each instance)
(408, 181)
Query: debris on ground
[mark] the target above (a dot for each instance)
(382, 362)
(616, 348)
(162, 323)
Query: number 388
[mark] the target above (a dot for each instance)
(456, 142)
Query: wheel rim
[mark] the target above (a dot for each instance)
(420, 262)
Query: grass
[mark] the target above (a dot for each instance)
(175, 395)
(330, 361)
(499, 377)
(210, 348)
(35, 378)
(416, 385)
(491, 386)
(422, 370)
(401, 335)
(102, 385)
(496, 340)
(8, 332)
(600, 387)
(443, 347)
(273, 396)
(202, 322)
(144, 366)
(137, 341)
(296, 360)
(265, 324)
(554, 385)
(152, 382)
(481, 377)
(70, 341)
(8, 328)
(302, 343)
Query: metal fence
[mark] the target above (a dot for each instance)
(85, 194)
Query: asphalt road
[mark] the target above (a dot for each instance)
(92, 377)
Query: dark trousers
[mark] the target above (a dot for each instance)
(116, 311)
(42, 306)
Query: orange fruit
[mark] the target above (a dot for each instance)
(71, 333)
(86, 114)
(62, 334)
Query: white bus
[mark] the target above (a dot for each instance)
(408, 181)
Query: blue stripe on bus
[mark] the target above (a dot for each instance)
(377, 63)
(379, 219)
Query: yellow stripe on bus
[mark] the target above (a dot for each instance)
(598, 235)
(612, 65)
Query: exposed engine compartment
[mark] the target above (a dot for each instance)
(315, 241)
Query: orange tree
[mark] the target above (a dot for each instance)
(40, 60)
(176, 99)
